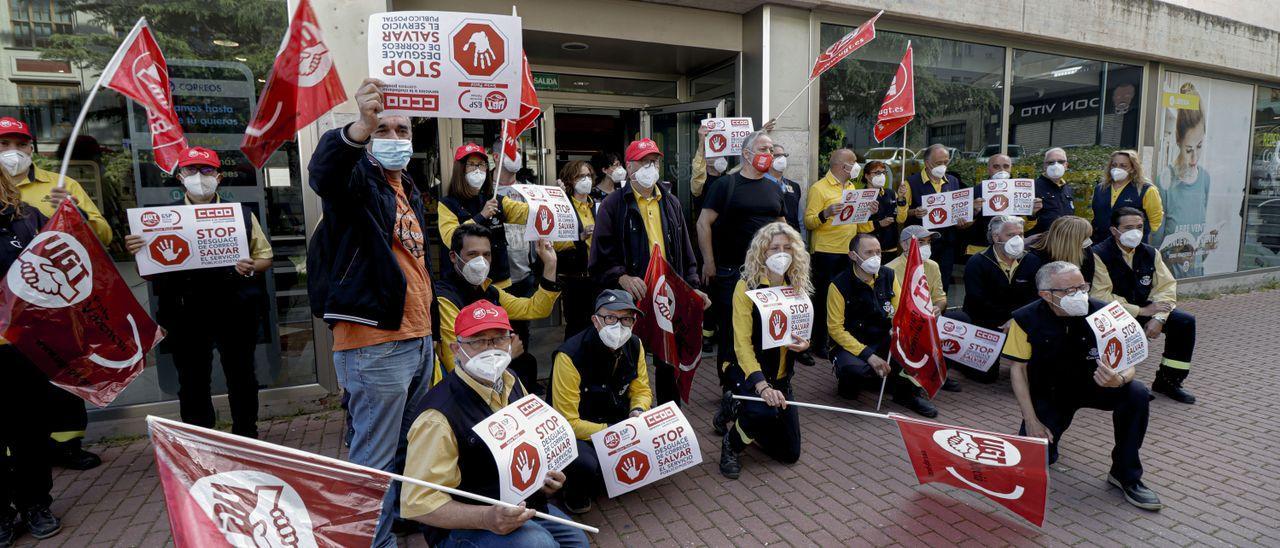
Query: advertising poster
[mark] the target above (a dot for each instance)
(527, 438)
(188, 237)
(725, 136)
(1200, 171)
(787, 315)
(643, 449)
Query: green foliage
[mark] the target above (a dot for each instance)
(831, 138)
(1087, 165)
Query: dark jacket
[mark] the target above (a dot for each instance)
(887, 235)
(1130, 196)
(16, 232)
(352, 272)
(219, 282)
(605, 375)
(1031, 263)
(1055, 201)
(990, 297)
(1064, 351)
(793, 212)
(921, 187)
(620, 244)
(868, 309)
(1135, 282)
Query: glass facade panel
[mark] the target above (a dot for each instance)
(1261, 247)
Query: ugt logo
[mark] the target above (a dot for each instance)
(254, 509)
(53, 272)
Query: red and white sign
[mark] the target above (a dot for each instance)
(915, 342)
(974, 346)
(138, 71)
(641, 450)
(188, 237)
(725, 136)
(671, 326)
(65, 306)
(529, 112)
(865, 32)
(944, 209)
(1013, 471)
(528, 438)
(899, 105)
(1122, 343)
(226, 490)
(303, 85)
(786, 313)
(551, 216)
(856, 206)
(1008, 197)
(443, 64)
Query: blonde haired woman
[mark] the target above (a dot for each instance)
(1068, 239)
(1124, 185)
(775, 258)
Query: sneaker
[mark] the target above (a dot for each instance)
(73, 457)
(951, 385)
(1137, 494)
(8, 529)
(805, 358)
(41, 522)
(916, 402)
(577, 504)
(730, 467)
(726, 414)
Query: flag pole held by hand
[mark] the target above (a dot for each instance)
(820, 407)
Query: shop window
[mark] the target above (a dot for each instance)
(34, 21)
(1262, 215)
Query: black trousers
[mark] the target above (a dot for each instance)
(776, 431)
(1180, 336)
(1129, 406)
(198, 325)
(25, 474)
(946, 251)
(665, 388)
(854, 373)
(582, 476)
(577, 303)
(722, 307)
(825, 266)
(67, 418)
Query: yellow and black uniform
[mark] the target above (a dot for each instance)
(1144, 198)
(993, 289)
(859, 318)
(571, 266)
(777, 431)
(830, 251)
(931, 274)
(948, 245)
(454, 210)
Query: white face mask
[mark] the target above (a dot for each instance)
(939, 171)
(1015, 247)
(1131, 238)
(722, 164)
(1119, 174)
(870, 265)
(1075, 304)
(1055, 171)
(926, 251)
(393, 154)
(855, 169)
(487, 366)
(475, 179)
(1000, 175)
(510, 165)
(1088, 243)
(15, 162)
(200, 186)
(583, 185)
(877, 180)
(619, 174)
(616, 335)
(780, 164)
(778, 263)
(647, 176)
(475, 271)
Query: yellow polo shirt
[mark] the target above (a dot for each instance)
(651, 210)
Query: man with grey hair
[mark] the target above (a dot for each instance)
(933, 179)
(1053, 193)
(990, 279)
(1053, 360)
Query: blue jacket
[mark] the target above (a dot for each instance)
(352, 273)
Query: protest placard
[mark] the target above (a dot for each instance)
(944, 209)
(643, 449)
(855, 206)
(447, 64)
(787, 315)
(527, 438)
(969, 344)
(551, 216)
(187, 237)
(1122, 343)
(1008, 197)
(725, 136)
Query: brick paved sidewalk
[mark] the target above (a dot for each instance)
(1214, 464)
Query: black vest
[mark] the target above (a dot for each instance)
(1130, 196)
(1133, 283)
(868, 309)
(1064, 351)
(451, 287)
(769, 359)
(1057, 201)
(920, 187)
(605, 375)
(467, 208)
(219, 281)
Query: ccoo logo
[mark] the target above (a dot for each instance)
(254, 509)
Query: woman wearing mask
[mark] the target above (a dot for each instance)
(1068, 239)
(470, 198)
(775, 258)
(1184, 189)
(883, 224)
(577, 177)
(1124, 185)
(613, 175)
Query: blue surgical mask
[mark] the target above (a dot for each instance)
(393, 154)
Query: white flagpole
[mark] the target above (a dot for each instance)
(822, 407)
(794, 99)
(884, 380)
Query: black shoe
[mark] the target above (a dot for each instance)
(727, 413)
(805, 358)
(72, 457)
(708, 345)
(8, 529)
(916, 402)
(1169, 382)
(1137, 494)
(951, 385)
(729, 465)
(41, 522)
(577, 504)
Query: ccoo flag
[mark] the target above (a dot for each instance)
(138, 71)
(303, 85)
(915, 329)
(865, 32)
(529, 112)
(899, 105)
(671, 325)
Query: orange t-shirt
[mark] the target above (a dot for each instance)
(409, 249)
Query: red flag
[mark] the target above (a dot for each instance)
(529, 112)
(303, 85)
(671, 326)
(1010, 470)
(915, 330)
(138, 71)
(865, 32)
(223, 489)
(899, 105)
(65, 306)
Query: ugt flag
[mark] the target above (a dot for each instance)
(529, 112)
(915, 330)
(899, 105)
(1010, 470)
(138, 71)
(65, 306)
(303, 85)
(226, 490)
(671, 326)
(865, 32)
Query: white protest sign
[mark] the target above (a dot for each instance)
(187, 237)
(787, 315)
(1008, 197)
(447, 64)
(944, 209)
(1122, 343)
(641, 450)
(974, 346)
(551, 216)
(855, 206)
(725, 136)
(527, 438)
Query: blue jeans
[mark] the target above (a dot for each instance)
(535, 533)
(386, 386)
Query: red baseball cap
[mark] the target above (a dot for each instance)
(479, 316)
(199, 156)
(639, 149)
(13, 126)
(469, 149)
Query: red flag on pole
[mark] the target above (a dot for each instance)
(915, 332)
(865, 32)
(226, 490)
(138, 71)
(671, 326)
(303, 85)
(899, 105)
(1010, 470)
(529, 112)
(65, 306)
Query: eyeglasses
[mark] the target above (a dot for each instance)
(1062, 292)
(499, 341)
(473, 167)
(203, 170)
(1051, 162)
(647, 163)
(627, 321)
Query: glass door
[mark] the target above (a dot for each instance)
(675, 130)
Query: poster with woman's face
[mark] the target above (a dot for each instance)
(1201, 172)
